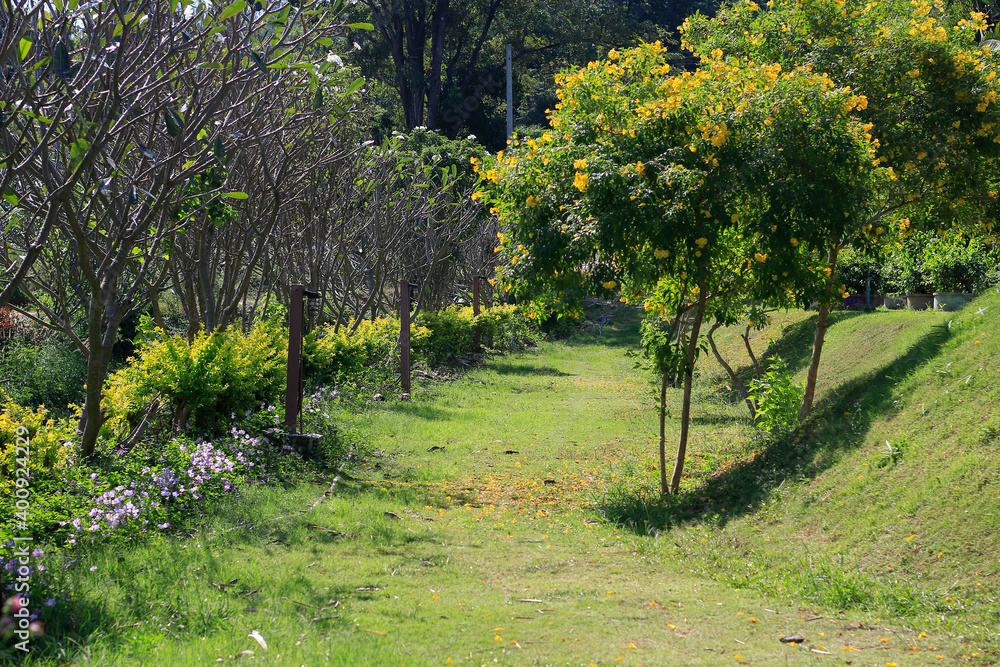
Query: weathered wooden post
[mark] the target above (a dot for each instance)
(293, 374)
(475, 313)
(404, 335)
(304, 443)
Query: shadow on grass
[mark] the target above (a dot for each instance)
(794, 348)
(621, 329)
(526, 369)
(839, 424)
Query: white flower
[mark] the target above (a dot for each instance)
(334, 58)
(472, 137)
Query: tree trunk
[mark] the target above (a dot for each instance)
(821, 325)
(692, 348)
(733, 377)
(664, 489)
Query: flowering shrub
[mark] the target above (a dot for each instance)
(203, 382)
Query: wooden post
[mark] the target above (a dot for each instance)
(293, 374)
(475, 313)
(404, 335)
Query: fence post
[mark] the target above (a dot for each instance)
(293, 376)
(404, 335)
(475, 312)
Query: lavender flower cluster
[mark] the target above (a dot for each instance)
(319, 401)
(144, 503)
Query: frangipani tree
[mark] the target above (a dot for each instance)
(931, 107)
(676, 189)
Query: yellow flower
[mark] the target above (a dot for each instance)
(794, 242)
(579, 164)
(477, 195)
(702, 242)
(531, 202)
(610, 284)
(641, 168)
(661, 254)
(580, 181)
(761, 257)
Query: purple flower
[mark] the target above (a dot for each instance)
(51, 602)
(93, 568)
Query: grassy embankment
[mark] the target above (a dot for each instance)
(509, 516)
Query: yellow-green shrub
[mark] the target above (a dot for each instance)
(203, 382)
(50, 443)
(452, 331)
(331, 354)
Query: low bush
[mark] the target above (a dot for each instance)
(32, 435)
(777, 398)
(43, 372)
(204, 384)
(331, 355)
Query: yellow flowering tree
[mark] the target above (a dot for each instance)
(680, 189)
(930, 105)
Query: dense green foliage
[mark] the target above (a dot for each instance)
(204, 382)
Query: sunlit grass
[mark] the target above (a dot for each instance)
(511, 515)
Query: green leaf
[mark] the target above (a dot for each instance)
(173, 127)
(24, 48)
(361, 26)
(211, 65)
(258, 61)
(318, 99)
(236, 195)
(77, 152)
(354, 86)
(10, 196)
(60, 60)
(324, 41)
(232, 10)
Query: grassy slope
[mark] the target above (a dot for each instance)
(829, 517)
(488, 555)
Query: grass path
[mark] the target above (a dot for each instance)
(467, 539)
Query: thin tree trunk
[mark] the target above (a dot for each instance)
(664, 488)
(753, 357)
(821, 326)
(733, 377)
(692, 347)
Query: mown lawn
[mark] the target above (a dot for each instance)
(474, 528)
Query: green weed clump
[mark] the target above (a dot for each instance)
(777, 398)
(204, 384)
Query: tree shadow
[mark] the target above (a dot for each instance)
(526, 369)
(794, 348)
(838, 424)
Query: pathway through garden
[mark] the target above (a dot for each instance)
(467, 537)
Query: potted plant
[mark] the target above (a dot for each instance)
(956, 267)
(905, 274)
(862, 275)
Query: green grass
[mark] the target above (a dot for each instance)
(511, 516)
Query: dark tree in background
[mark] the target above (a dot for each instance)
(440, 63)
